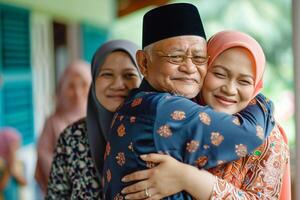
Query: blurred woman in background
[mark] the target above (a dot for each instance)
(71, 102)
(11, 169)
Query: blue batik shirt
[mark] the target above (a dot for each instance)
(150, 121)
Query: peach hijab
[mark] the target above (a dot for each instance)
(225, 40)
(77, 109)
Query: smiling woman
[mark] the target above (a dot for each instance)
(117, 75)
(234, 77)
(76, 169)
(228, 87)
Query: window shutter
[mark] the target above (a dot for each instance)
(92, 38)
(15, 67)
(15, 38)
(17, 98)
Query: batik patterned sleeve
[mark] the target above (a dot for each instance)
(59, 186)
(264, 179)
(200, 136)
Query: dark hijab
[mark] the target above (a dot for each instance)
(99, 118)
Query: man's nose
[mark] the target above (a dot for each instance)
(188, 66)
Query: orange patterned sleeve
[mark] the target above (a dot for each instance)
(263, 178)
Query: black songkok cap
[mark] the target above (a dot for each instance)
(171, 20)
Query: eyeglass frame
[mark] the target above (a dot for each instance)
(168, 56)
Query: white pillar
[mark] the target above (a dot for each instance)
(296, 50)
(74, 42)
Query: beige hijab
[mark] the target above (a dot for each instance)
(67, 111)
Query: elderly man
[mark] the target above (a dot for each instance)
(159, 117)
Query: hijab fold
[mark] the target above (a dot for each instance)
(98, 117)
(64, 108)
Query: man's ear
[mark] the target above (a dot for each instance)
(142, 62)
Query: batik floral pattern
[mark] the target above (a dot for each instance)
(136, 102)
(241, 150)
(121, 158)
(178, 115)
(216, 138)
(192, 146)
(121, 130)
(201, 161)
(164, 131)
(204, 118)
(256, 176)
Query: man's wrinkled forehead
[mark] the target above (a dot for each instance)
(182, 43)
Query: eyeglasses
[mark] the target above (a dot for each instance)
(180, 59)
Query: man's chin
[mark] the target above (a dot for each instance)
(187, 93)
(190, 91)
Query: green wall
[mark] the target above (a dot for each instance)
(100, 12)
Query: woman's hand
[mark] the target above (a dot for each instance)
(158, 182)
(16, 170)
